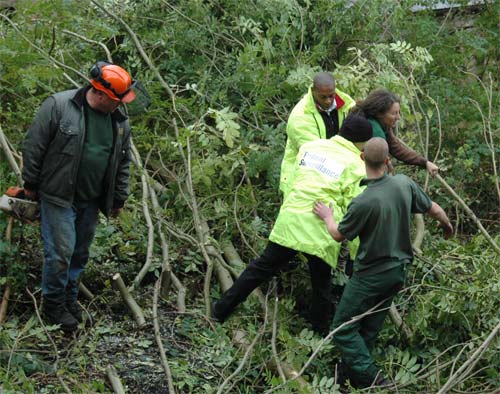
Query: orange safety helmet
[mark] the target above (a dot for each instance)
(113, 80)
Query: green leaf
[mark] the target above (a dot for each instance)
(225, 122)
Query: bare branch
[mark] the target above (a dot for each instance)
(327, 339)
(147, 216)
(273, 337)
(469, 212)
(10, 157)
(159, 341)
(465, 369)
(247, 353)
(201, 231)
(142, 52)
(56, 63)
(136, 310)
(5, 302)
(56, 351)
(114, 379)
(83, 38)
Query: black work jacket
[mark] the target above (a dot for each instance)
(53, 147)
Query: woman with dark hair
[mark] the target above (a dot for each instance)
(382, 109)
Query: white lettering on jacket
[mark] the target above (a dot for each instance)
(322, 164)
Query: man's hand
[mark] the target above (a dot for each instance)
(447, 229)
(326, 214)
(115, 212)
(432, 169)
(323, 211)
(438, 213)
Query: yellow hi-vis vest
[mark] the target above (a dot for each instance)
(327, 170)
(305, 124)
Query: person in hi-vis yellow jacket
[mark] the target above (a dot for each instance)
(318, 115)
(328, 170)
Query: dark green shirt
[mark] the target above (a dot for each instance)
(381, 217)
(378, 131)
(95, 155)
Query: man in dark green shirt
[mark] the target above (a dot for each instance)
(95, 155)
(76, 158)
(381, 217)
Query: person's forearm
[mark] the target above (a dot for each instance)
(436, 212)
(333, 229)
(402, 152)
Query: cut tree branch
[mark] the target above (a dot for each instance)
(114, 380)
(136, 310)
(85, 291)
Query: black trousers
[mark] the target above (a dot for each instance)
(264, 267)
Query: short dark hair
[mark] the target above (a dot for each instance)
(323, 79)
(375, 152)
(356, 128)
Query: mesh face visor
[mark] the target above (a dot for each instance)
(142, 100)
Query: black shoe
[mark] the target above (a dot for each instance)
(341, 378)
(346, 378)
(55, 312)
(214, 315)
(75, 309)
(321, 330)
(381, 381)
(79, 313)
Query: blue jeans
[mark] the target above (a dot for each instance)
(67, 234)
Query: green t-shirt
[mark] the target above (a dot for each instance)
(378, 131)
(95, 155)
(381, 217)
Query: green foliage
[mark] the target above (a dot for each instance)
(225, 122)
(236, 70)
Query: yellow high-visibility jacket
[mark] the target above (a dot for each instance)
(304, 125)
(327, 170)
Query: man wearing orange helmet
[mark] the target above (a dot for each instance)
(76, 158)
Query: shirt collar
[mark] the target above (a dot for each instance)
(337, 104)
(366, 181)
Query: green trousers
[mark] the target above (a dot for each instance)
(355, 340)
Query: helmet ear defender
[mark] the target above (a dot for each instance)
(96, 73)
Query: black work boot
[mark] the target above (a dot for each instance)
(73, 306)
(217, 316)
(55, 312)
(346, 378)
(382, 381)
(75, 309)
